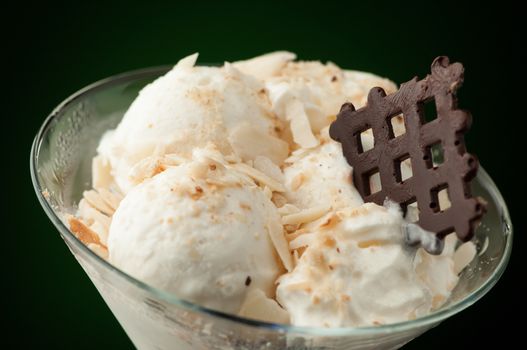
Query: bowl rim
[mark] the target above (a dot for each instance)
(427, 320)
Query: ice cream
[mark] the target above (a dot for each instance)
(357, 271)
(200, 231)
(221, 186)
(187, 108)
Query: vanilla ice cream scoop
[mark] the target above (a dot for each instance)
(356, 271)
(190, 107)
(308, 94)
(320, 176)
(200, 231)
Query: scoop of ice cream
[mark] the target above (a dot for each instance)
(320, 176)
(308, 95)
(190, 107)
(356, 271)
(198, 230)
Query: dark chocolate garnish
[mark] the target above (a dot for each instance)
(418, 143)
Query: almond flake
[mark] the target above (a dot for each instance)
(258, 306)
(288, 209)
(111, 198)
(94, 198)
(303, 240)
(101, 172)
(266, 166)
(83, 232)
(259, 176)
(99, 250)
(276, 233)
(248, 142)
(299, 123)
(306, 215)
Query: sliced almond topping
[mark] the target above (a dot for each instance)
(306, 215)
(259, 176)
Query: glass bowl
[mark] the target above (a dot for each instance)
(61, 170)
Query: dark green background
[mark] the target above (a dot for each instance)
(55, 49)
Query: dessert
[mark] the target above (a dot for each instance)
(222, 186)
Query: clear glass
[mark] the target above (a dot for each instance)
(61, 170)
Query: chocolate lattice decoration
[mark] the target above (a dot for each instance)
(420, 137)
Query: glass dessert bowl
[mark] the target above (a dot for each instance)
(61, 170)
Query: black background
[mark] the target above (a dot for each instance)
(55, 49)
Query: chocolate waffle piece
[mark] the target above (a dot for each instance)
(422, 138)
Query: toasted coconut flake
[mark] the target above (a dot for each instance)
(294, 235)
(298, 181)
(145, 169)
(303, 285)
(101, 172)
(463, 256)
(296, 257)
(111, 198)
(278, 200)
(232, 158)
(83, 232)
(300, 127)
(258, 306)
(96, 201)
(306, 215)
(102, 230)
(288, 209)
(265, 66)
(303, 240)
(259, 176)
(372, 243)
(291, 228)
(188, 62)
(152, 166)
(280, 243)
(249, 142)
(99, 250)
(268, 192)
(266, 166)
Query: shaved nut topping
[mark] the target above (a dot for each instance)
(259, 176)
(306, 215)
